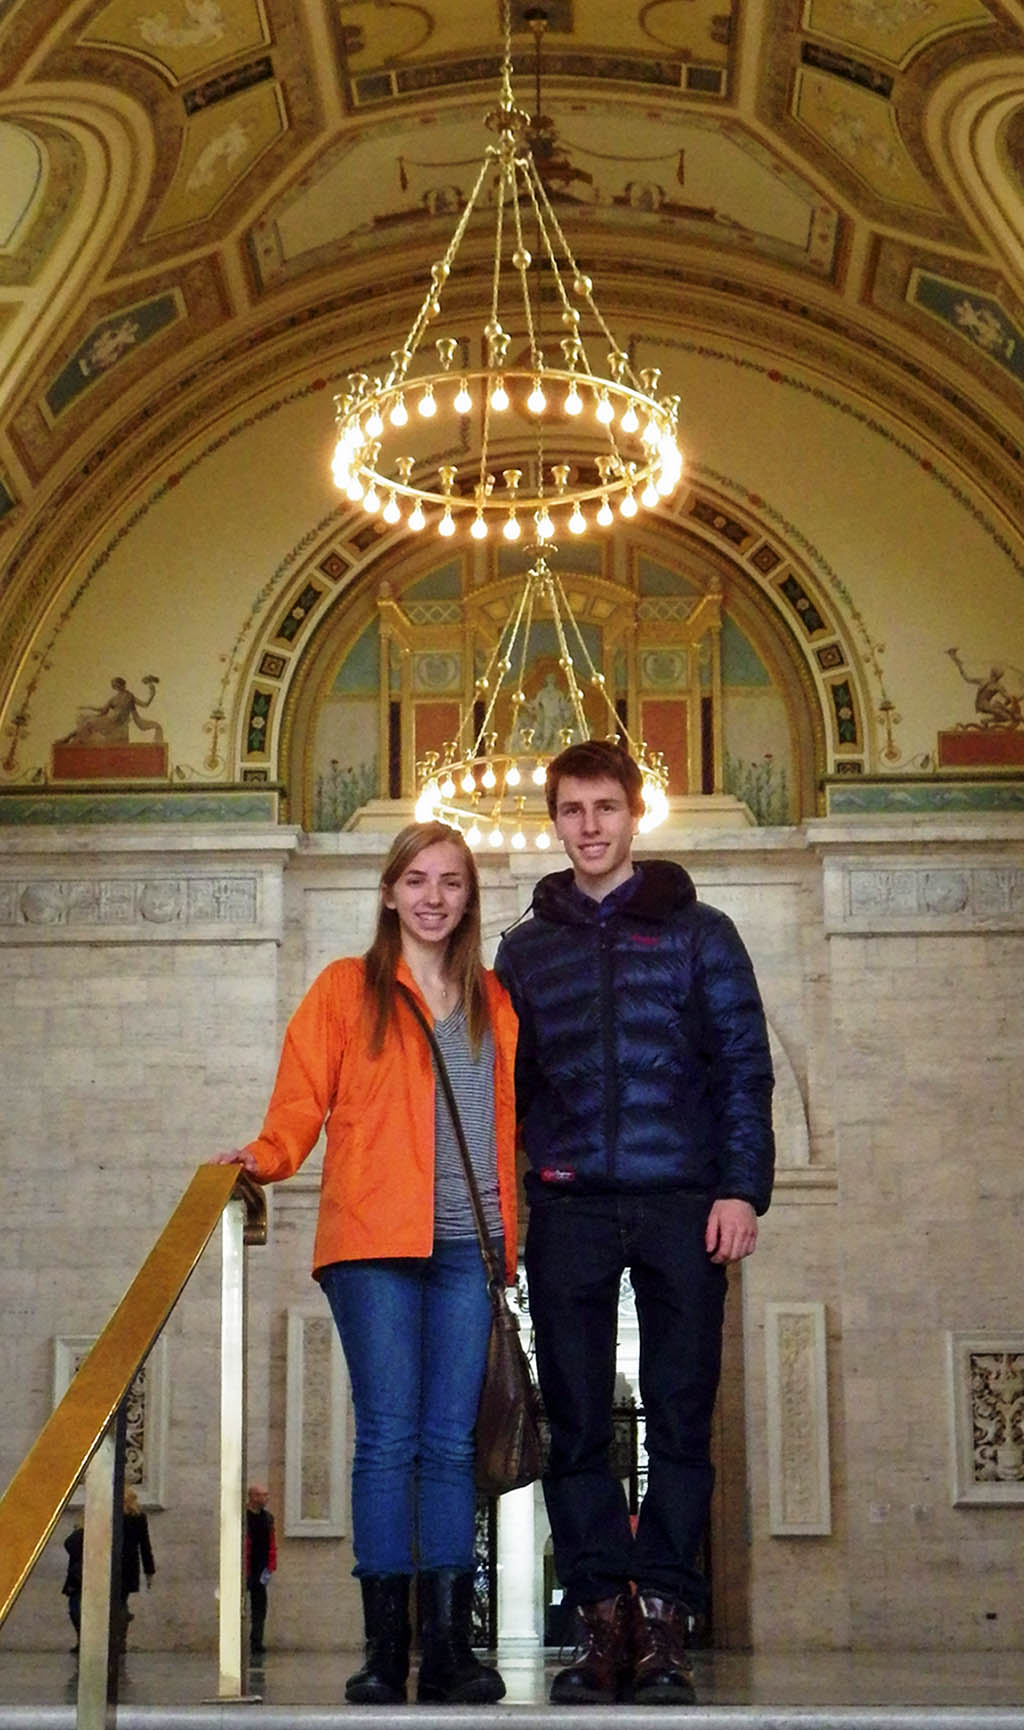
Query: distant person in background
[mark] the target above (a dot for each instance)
(72, 1587)
(260, 1562)
(136, 1557)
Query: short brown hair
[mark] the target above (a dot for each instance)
(596, 760)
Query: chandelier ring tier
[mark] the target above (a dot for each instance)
(632, 430)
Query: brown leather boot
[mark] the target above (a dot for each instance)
(662, 1673)
(600, 1663)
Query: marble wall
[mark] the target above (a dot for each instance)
(148, 976)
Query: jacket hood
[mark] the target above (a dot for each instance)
(663, 889)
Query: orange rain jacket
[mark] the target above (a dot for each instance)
(377, 1189)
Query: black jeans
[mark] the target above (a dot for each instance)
(257, 1613)
(577, 1249)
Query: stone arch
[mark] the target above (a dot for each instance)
(774, 599)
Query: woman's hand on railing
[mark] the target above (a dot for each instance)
(237, 1156)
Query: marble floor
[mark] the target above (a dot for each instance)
(762, 1680)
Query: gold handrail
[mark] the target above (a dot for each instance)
(41, 1487)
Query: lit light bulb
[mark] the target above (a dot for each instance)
(513, 776)
(473, 836)
(499, 396)
(630, 420)
(447, 787)
(543, 841)
(463, 400)
(574, 402)
(604, 411)
(511, 530)
(354, 489)
(544, 526)
(649, 496)
(577, 522)
(537, 402)
(604, 515)
(478, 527)
(489, 779)
(374, 424)
(495, 838)
(423, 809)
(427, 405)
(539, 775)
(628, 505)
(391, 512)
(399, 415)
(655, 807)
(518, 838)
(447, 524)
(416, 518)
(467, 783)
(371, 499)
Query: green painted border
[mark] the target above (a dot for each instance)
(190, 805)
(898, 795)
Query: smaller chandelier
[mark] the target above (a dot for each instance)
(491, 786)
(614, 437)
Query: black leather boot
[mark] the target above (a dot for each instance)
(382, 1679)
(599, 1672)
(449, 1673)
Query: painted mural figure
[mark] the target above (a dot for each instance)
(108, 724)
(995, 704)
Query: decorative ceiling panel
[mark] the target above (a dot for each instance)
(861, 127)
(184, 38)
(221, 145)
(717, 185)
(892, 31)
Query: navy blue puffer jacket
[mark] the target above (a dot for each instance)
(643, 1056)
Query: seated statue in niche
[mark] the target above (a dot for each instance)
(108, 723)
(545, 717)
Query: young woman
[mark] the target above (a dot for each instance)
(396, 1251)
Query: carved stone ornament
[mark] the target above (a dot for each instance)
(889, 898)
(986, 1374)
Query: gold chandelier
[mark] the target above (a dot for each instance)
(562, 448)
(633, 457)
(484, 785)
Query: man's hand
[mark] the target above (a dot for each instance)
(731, 1230)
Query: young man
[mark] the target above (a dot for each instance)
(644, 1083)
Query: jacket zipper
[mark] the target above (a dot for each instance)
(611, 1094)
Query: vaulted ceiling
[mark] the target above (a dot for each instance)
(200, 194)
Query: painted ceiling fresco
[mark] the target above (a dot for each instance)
(187, 184)
(217, 156)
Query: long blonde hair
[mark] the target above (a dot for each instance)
(463, 960)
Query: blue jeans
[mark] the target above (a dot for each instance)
(414, 1334)
(577, 1248)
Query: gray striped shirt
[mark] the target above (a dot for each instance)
(472, 1082)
